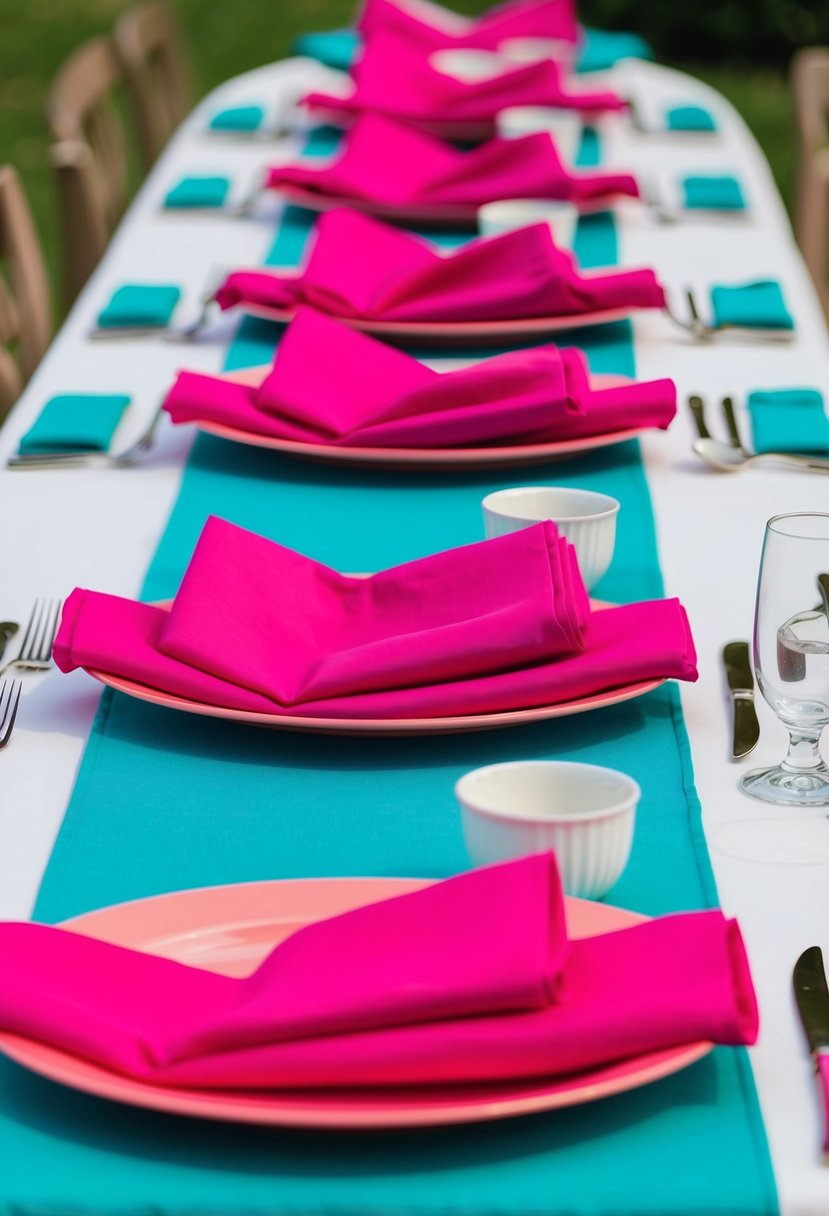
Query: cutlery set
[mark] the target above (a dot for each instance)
(35, 654)
(733, 456)
(100, 460)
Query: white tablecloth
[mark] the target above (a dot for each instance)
(99, 528)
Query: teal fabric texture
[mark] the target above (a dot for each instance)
(721, 193)
(198, 192)
(238, 118)
(602, 49)
(690, 118)
(599, 50)
(335, 48)
(788, 420)
(757, 305)
(166, 801)
(75, 422)
(140, 304)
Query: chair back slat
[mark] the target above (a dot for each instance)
(25, 308)
(90, 156)
(151, 52)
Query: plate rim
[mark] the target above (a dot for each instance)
(436, 213)
(457, 724)
(415, 458)
(455, 331)
(330, 1110)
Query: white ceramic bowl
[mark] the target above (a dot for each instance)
(583, 813)
(506, 214)
(565, 127)
(531, 50)
(470, 65)
(586, 518)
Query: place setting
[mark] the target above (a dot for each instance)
(467, 639)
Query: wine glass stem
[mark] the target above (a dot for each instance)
(803, 755)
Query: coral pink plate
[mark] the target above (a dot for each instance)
(452, 333)
(230, 929)
(426, 459)
(439, 215)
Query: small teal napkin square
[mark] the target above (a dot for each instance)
(722, 193)
(788, 420)
(757, 305)
(198, 192)
(602, 49)
(689, 118)
(149, 304)
(334, 48)
(238, 118)
(76, 422)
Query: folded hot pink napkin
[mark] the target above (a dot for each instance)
(393, 76)
(392, 163)
(499, 625)
(298, 632)
(470, 979)
(332, 385)
(432, 27)
(362, 268)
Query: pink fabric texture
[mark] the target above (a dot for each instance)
(470, 979)
(364, 269)
(394, 77)
(497, 625)
(331, 385)
(433, 27)
(392, 163)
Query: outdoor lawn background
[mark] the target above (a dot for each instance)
(739, 46)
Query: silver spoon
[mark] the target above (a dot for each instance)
(727, 459)
(7, 631)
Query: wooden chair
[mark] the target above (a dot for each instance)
(810, 89)
(25, 311)
(151, 51)
(90, 156)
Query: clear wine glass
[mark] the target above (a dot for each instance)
(791, 656)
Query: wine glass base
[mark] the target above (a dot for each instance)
(785, 787)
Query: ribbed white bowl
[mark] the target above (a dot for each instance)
(586, 518)
(584, 813)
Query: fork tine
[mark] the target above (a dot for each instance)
(30, 628)
(10, 690)
(50, 628)
(43, 625)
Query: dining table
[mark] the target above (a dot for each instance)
(105, 799)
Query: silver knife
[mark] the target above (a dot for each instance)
(812, 996)
(738, 672)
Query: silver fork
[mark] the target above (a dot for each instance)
(36, 648)
(733, 457)
(699, 329)
(185, 333)
(697, 408)
(117, 333)
(76, 460)
(9, 701)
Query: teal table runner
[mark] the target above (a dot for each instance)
(166, 801)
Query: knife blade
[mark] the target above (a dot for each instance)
(812, 996)
(746, 728)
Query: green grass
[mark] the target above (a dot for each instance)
(225, 37)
